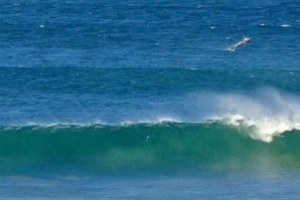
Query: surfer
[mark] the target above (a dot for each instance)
(244, 41)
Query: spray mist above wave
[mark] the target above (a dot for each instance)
(262, 114)
(267, 112)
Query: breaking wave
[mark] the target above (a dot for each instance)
(141, 148)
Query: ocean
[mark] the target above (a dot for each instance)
(148, 100)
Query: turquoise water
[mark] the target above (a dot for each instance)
(113, 100)
(160, 149)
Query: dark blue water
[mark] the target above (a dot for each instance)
(140, 34)
(140, 89)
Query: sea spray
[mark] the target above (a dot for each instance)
(268, 112)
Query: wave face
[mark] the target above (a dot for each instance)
(141, 148)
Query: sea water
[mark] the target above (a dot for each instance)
(145, 100)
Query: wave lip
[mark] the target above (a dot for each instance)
(264, 129)
(268, 113)
(263, 114)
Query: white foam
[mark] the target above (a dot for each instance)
(268, 113)
(160, 119)
(285, 25)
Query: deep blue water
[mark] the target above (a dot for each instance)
(140, 89)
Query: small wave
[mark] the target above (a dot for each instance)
(285, 25)
(152, 121)
(275, 25)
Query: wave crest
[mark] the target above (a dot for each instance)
(268, 113)
(264, 114)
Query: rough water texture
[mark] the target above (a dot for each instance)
(138, 88)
